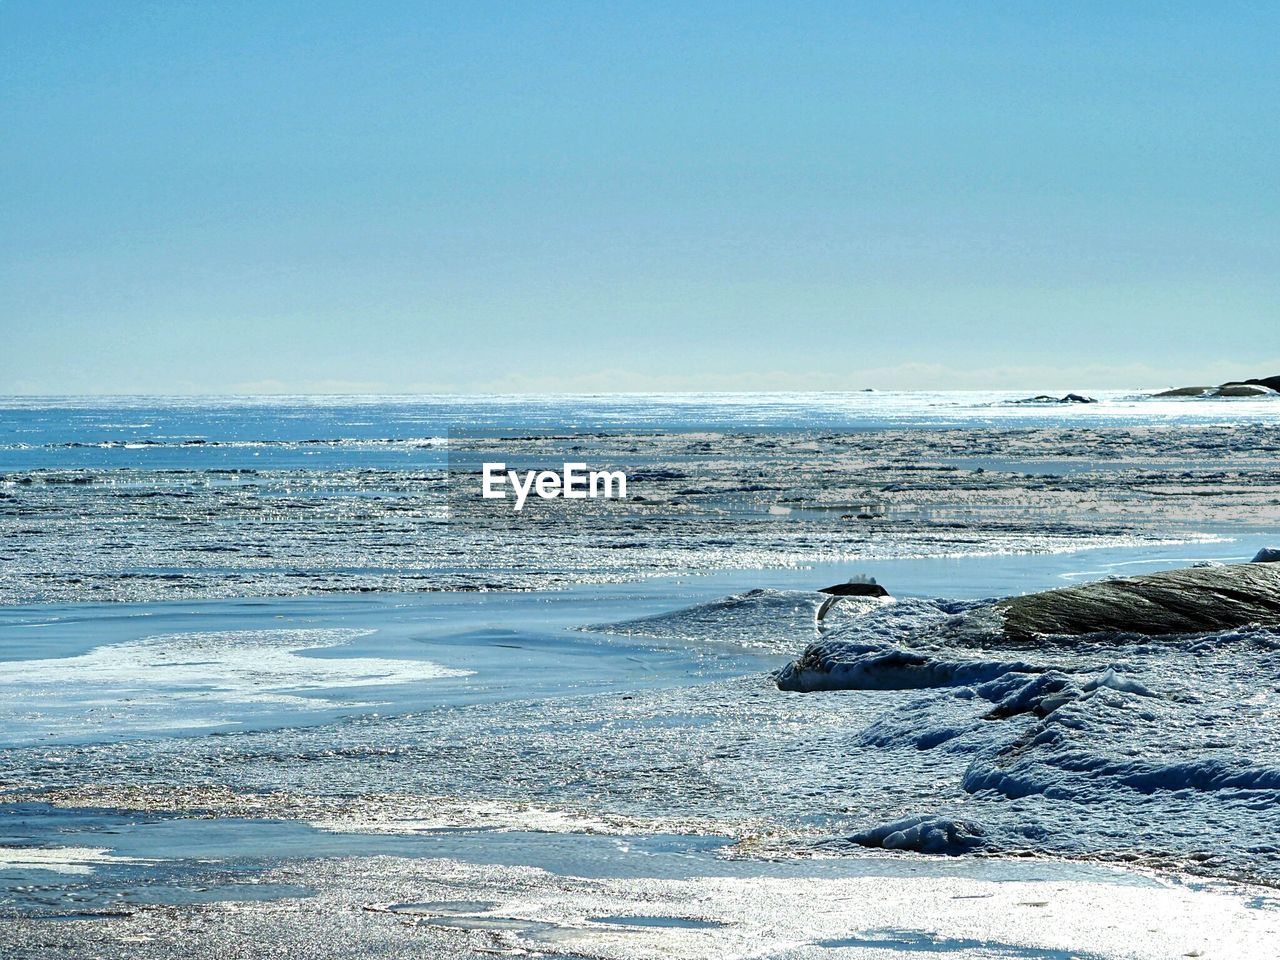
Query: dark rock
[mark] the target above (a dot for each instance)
(854, 589)
(1272, 383)
(1266, 555)
(1192, 600)
(1243, 390)
(925, 834)
(1257, 387)
(1069, 398)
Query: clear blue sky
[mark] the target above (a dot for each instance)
(319, 197)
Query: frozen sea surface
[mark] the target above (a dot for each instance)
(273, 677)
(406, 709)
(538, 788)
(149, 500)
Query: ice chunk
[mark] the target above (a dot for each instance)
(925, 834)
(844, 666)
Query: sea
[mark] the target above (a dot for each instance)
(240, 632)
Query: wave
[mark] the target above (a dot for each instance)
(772, 619)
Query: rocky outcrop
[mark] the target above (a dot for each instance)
(1242, 390)
(1259, 387)
(1271, 383)
(1069, 398)
(1192, 600)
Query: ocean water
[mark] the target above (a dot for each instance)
(255, 633)
(90, 420)
(152, 500)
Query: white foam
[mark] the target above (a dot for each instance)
(444, 813)
(986, 910)
(229, 665)
(68, 860)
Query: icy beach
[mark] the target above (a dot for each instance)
(274, 677)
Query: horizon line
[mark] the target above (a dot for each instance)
(556, 393)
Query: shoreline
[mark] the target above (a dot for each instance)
(673, 598)
(877, 907)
